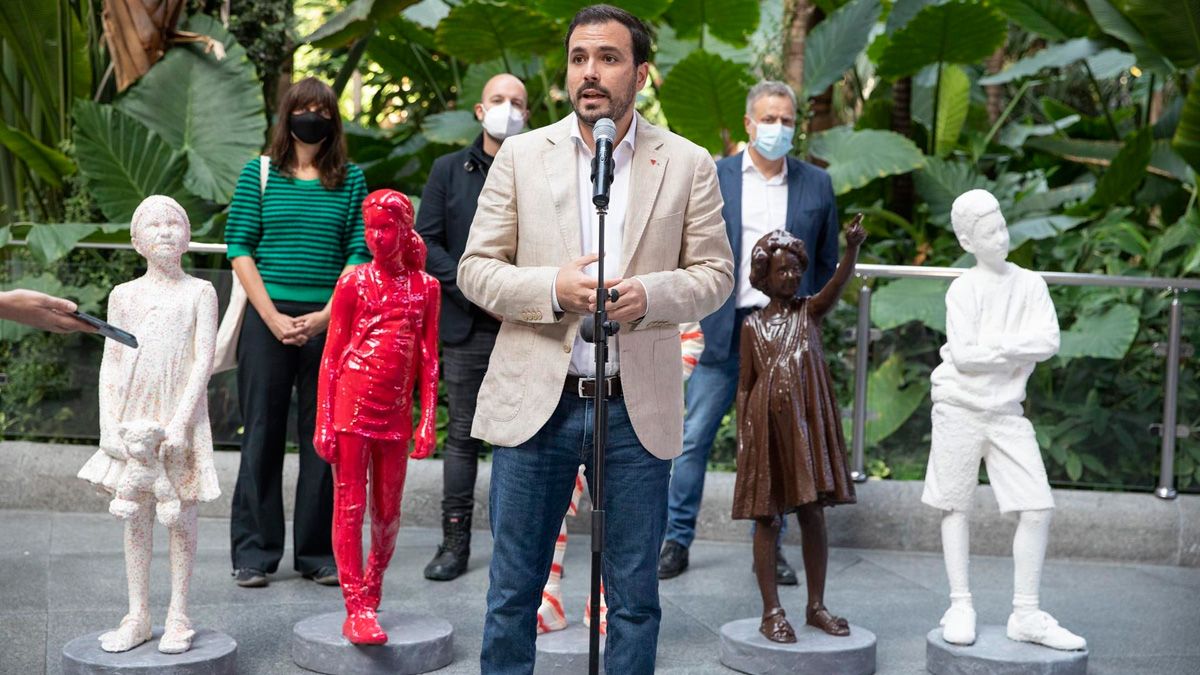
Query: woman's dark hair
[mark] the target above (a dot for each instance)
(765, 247)
(639, 33)
(331, 158)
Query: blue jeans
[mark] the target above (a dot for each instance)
(531, 488)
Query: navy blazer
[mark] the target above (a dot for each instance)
(811, 215)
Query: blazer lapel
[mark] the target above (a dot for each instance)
(794, 194)
(558, 160)
(645, 178)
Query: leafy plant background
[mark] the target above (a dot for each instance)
(1080, 115)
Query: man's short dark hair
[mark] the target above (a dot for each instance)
(639, 33)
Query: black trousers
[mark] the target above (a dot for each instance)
(463, 368)
(267, 372)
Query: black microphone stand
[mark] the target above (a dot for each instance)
(597, 329)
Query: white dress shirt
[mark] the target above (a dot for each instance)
(764, 209)
(583, 356)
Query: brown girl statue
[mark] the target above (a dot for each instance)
(791, 452)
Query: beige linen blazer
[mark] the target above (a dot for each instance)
(527, 227)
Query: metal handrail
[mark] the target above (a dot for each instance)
(1166, 476)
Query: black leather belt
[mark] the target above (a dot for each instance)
(585, 387)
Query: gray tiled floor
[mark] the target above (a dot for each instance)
(63, 577)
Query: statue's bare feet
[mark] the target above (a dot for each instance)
(819, 617)
(362, 628)
(132, 632)
(177, 638)
(775, 627)
(550, 616)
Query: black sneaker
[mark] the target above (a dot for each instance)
(248, 577)
(326, 575)
(784, 574)
(673, 560)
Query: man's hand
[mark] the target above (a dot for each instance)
(44, 312)
(630, 304)
(576, 291)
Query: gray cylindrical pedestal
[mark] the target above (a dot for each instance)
(212, 653)
(744, 649)
(565, 651)
(994, 654)
(417, 643)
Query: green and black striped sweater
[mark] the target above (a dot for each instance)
(300, 234)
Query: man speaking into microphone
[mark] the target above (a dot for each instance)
(530, 258)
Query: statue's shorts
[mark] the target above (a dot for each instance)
(962, 438)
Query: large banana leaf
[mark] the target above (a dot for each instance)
(670, 49)
(1127, 170)
(1041, 227)
(834, 43)
(125, 162)
(705, 99)
(453, 127)
(858, 157)
(1171, 26)
(1053, 19)
(1054, 56)
(355, 21)
(210, 110)
(941, 181)
(892, 398)
(1116, 24)
(565, 9)
(1103, 336)
(954, 32)
(905, 300)
(50, 241)
(42, 160)
(731, 20)
(954, 98)
(479, 31)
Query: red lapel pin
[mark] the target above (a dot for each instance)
(654, 162)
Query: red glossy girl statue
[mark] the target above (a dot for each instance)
(382, 334)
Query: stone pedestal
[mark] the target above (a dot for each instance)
(565, 651)
(417, 643)
(994, 654)
(212, 653)
(744, 649)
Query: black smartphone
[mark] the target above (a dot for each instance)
(108, 330)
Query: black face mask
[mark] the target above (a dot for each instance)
(310, 127)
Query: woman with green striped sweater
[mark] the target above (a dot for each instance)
(288, 243)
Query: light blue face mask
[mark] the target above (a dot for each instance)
(773, 140)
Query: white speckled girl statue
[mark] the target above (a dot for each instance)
(161, 384)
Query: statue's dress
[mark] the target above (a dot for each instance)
(791, 450)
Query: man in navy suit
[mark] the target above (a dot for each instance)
(764, 190)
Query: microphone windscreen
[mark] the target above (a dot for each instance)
(605, 129)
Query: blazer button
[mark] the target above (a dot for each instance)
(567, 349)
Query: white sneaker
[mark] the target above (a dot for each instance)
(958, 625)
(1041, 628)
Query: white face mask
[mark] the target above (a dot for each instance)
(502, 121)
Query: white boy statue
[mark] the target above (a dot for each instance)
(1000, 323)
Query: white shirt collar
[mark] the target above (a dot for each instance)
(630, 139)
(748, 165)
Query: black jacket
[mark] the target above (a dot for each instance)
(447, 209)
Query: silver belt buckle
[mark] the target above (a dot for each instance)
(580, 385)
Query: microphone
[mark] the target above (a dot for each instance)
(605, 133)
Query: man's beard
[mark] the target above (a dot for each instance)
(617, 107)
